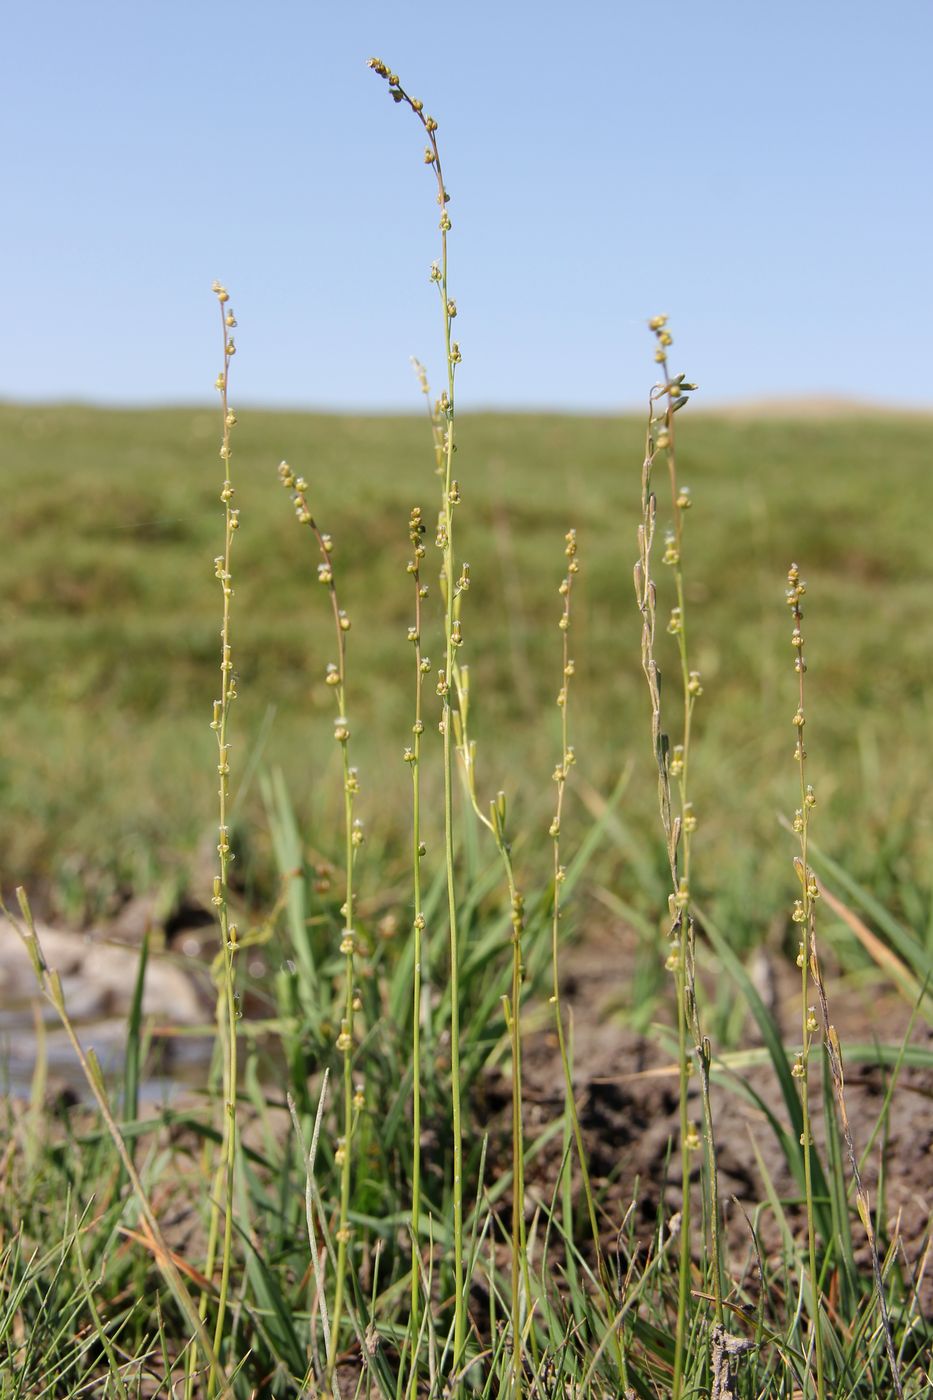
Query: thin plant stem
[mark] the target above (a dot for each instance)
(521, 1287)
(495, 824)
(412, 756)
(227, 998)
(452, 639)
(336, 678)
(834, 1055)
(804, 914)
(561, 774)
(441, 417)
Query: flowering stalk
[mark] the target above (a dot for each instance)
(228, 1000)
(560, 775)
(666, 399)
(804, 914)
(412, 756)
(453, 638)
(495, 825)
(353, 1099)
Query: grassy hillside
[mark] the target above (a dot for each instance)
(109, 634)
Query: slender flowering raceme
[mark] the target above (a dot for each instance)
(457, 677)
(353, 1100)
(445, 447)
(228, 1000)
(561, 775)
(453, 680)
(412, 756)
(804, 915)
(678, 816)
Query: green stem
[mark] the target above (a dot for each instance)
(808, 1187)
(336, 678)
(454, 942)
(520, 1278)
(688, 989)
(346, 1048)
(807, 918)
(447, 720)
(561, 773)
(683, 1280)
(417, 529)
(495, 824)
(227, 1006)
(678, 833)
(444, 450)
(348, 948)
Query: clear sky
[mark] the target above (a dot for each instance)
(761, 172)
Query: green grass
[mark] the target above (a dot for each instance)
(112, 657)
(109, 632)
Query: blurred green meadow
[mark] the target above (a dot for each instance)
(109, 644)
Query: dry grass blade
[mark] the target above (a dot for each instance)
(879, 952)
(149, 1242)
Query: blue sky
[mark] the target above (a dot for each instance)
(760, 172)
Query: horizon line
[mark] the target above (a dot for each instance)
(781, 405)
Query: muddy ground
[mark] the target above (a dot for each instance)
(627, 1092)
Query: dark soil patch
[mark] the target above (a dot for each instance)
(626, 1090)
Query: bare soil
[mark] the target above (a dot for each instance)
(627, 1095)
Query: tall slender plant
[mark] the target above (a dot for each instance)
(227, 998)
(561, 775)
(416, 530)
(804, 915)
(495, 824)
(453, 639)
(678, 817)
(353, 1099)
(808, 960)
